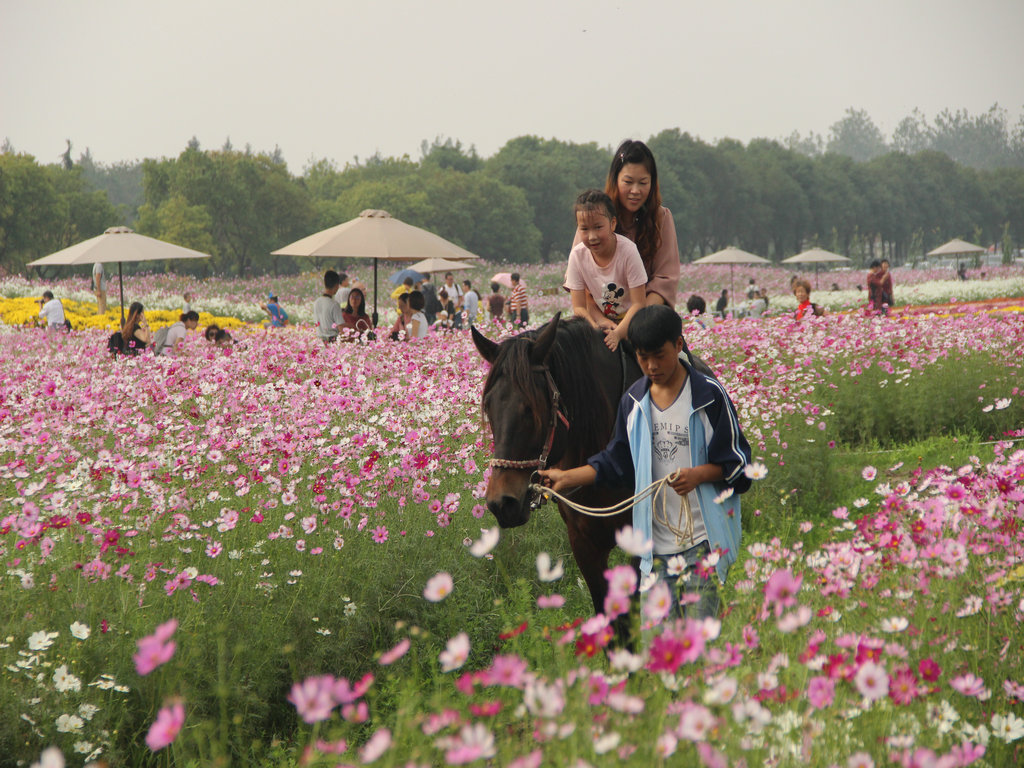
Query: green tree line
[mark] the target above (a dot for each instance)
(769, 197)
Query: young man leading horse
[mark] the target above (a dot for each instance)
(678, 423)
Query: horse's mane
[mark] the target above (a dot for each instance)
(571, 361)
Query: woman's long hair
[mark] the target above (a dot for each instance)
(646, 221)
(131, 324)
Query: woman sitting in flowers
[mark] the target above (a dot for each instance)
(354, 312)
(805, 307)
(136, 333)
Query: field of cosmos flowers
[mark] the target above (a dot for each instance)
(278, 554)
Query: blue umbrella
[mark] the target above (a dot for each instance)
(400, 275)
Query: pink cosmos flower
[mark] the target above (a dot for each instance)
(439, 586)
(550, 601)
(380, 534)
(508, 670)
(869, 473)
(378, 744)
(344, 693)
(395, 653)
(781, 589)
(872, 681)
(903, 686)
(165, 728)
(821, 692)
(313, 698)
(970, 685)
(860, 760)
(156, 649)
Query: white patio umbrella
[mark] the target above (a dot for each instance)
(956, 248)
(817, 257)
(440, 265)
(732, 257)
(375, 234)
(118, 244)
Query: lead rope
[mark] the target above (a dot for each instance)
(682, 531)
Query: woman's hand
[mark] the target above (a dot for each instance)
(612, 338)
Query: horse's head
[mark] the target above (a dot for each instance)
(518, 402)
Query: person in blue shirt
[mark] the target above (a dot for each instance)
(680, 423)
(278, 317)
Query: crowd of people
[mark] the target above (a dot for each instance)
(624, 257)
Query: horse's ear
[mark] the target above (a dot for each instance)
(488, 349)
(542, 346)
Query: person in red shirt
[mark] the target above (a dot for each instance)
(518, 307)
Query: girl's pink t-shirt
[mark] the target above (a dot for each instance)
(609, 286)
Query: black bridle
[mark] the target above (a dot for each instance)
(556, 416)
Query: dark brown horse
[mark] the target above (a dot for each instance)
(550, 399)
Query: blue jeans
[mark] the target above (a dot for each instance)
(690, 582)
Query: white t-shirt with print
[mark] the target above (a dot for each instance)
(608, 285)
(670, 451)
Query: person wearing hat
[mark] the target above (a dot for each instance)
(278, 317)
(53, 311)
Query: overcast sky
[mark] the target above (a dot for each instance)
(338, 79)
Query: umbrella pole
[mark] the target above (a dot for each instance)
(375, 316)
(120, 282)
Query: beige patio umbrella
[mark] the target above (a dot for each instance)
(376, 234)
(817, 257)
(440, 265)
(956, 248)
(732, 257)
(118, 244)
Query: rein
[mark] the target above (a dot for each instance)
(556, 416)
(683, 529)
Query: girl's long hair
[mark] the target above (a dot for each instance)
(646, 221)
(131, 324)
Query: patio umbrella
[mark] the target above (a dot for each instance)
(375, 234)
(118, 244)
(817, 257)
(732, 257)
(440, 265)
(956, 248)
(400, 275)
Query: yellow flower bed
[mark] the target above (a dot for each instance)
(25, 311)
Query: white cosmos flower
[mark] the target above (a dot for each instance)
(455, 653)
(724, 495)
(895, 624)
(80, 631)
(50, 758)
(546, 571)
(1003, 402)
(1007, 727)
(487, 541)
(41, 640)
(756, 471)
(64, 681)
(69, 723)
(633, 541)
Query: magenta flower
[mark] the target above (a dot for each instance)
(380, 534)
(165, 728)
(821, 692)
(903, 686)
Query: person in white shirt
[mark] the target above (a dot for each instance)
(53, 311)
(455, 294)
(470, 302)
(326, 310)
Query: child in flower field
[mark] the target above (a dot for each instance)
(675, 419)
(607, 267)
